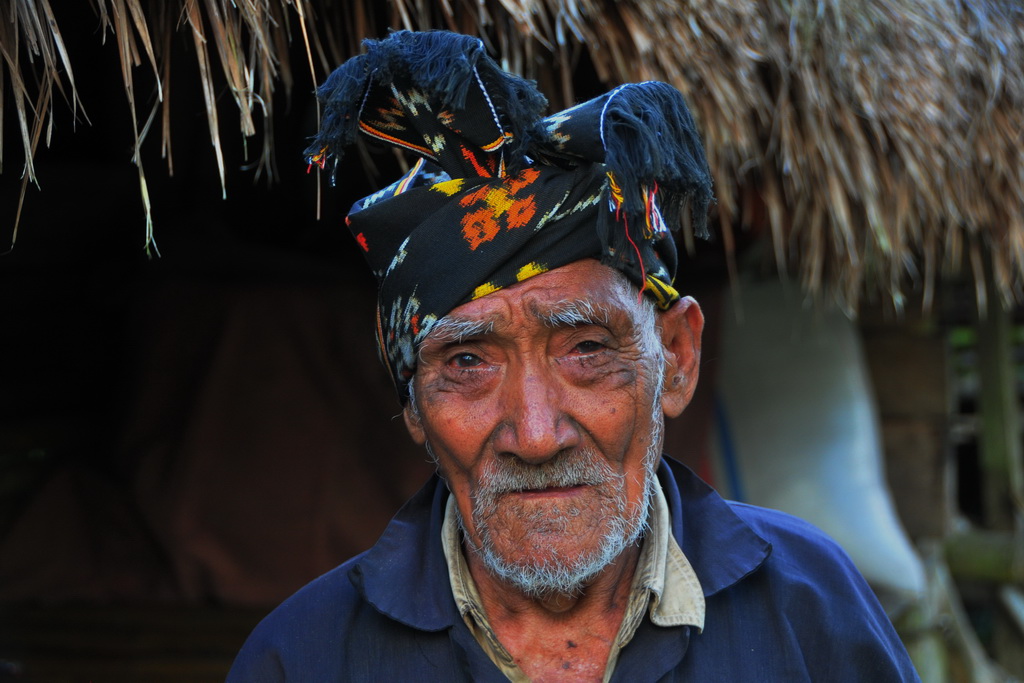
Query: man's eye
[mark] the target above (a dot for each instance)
(589, 346)
(466, 360)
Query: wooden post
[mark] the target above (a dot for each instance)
(999, 439)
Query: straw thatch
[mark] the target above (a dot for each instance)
(880, 141)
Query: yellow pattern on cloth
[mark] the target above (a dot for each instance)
(530, 269)
(663, 579)
(449, 187)
(485, 289)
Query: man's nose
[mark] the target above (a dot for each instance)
(535, 427)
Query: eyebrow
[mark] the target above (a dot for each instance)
(452, 329)
(571, 314)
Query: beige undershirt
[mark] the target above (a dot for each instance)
(663, 579)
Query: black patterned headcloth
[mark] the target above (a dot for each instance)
(501, 193)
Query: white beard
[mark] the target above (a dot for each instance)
(622, 524)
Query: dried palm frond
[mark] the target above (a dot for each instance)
(882, 138)
(247, 39)
(30, 28)
(876, 131)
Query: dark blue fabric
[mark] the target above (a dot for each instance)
(784, 603)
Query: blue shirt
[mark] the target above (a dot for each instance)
(783, 603)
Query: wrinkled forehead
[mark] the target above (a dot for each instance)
(580, 293)
(561, 313)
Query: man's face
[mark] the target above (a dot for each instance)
(542, 405)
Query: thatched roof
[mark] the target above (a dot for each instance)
(879, 142)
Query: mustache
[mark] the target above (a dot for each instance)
(579, 467)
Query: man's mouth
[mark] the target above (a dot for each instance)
(551, 491)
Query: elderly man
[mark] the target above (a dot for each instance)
(528, 317)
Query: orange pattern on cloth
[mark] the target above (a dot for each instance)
(498, 207)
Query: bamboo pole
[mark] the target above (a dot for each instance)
(982, 555)
(938, 633)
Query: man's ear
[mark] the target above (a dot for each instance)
(413, 424)
(681, 328)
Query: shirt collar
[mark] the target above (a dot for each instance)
(467, 598)
(676, 595)
(721, 547)
(404, 575)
